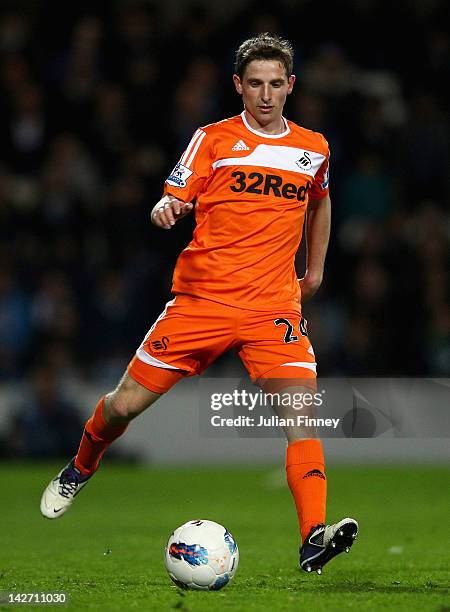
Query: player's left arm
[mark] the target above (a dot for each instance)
(318, 224)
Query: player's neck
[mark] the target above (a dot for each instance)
(277, 126)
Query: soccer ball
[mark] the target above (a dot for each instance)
(201, 555)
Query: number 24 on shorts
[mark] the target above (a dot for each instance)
(289, 336)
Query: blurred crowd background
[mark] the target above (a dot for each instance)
(98, 101)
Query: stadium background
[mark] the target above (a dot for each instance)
(97, 102)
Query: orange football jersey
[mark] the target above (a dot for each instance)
(252, 192)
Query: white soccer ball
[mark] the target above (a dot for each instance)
(201, 555)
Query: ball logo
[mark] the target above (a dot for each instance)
(191, 553)
(220, 582)
(230, 542)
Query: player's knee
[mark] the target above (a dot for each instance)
(127, 401)
(121, 407)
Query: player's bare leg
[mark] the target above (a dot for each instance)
(305, 468)
(127, 401)
(109, 421)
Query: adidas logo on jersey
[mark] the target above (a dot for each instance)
(240, 146)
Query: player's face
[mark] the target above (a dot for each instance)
(264, 87)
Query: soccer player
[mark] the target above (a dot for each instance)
(253, 178)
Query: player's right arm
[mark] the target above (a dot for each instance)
(185, 182)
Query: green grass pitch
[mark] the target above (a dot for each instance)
(106, 553)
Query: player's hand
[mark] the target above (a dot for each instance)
(169, 210)
(309, 285)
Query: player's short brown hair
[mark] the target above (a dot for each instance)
(264, 47)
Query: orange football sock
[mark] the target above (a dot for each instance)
(97, 436)
(305, 469)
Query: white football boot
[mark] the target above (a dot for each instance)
(60, 493)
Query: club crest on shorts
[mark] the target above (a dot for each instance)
(160, 345)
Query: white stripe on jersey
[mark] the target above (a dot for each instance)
(190, 146)
(275, 156)
(191, 157)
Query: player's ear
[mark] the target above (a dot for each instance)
(291, 81)
(237, 83)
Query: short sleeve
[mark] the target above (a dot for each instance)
(320, 186)
(190, 174)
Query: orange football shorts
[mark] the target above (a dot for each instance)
(192, 332)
